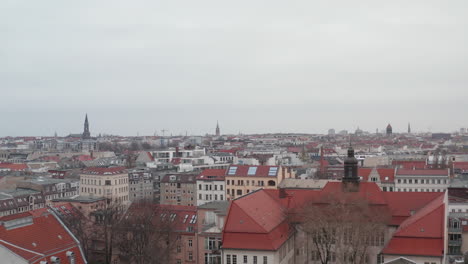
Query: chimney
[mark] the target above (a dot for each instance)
(177, 151)
(282, 193)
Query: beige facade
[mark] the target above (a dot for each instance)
(112, 186)
(237, 186)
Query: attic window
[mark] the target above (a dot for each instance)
(386, 178)
(232, 170)
(273, 171)
(252, 171)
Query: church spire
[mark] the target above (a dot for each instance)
(86, 134)
(218, 132)
(409, 128)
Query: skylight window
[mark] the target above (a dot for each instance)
(252, 171)
(232, 170)
(273, 171)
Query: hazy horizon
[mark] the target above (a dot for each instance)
(256, 66)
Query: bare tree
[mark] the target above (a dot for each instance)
(144, 236)
(341, 230)
(82, 228)
(105, 228)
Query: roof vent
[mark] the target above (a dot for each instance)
(34, 244)
(59, 236)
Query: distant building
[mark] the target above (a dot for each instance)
(389, 130)
(331, 132)
(111, 183)
(178, 189)
(429, 180)
(241, 179)
(140, 184)
(20, 201)
(445, 136)
(51, 188)
(86, 134)
(211, 186)
(218, 132)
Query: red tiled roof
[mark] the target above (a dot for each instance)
(252, 225)
(386, 175)
(422, 234)
(410, 164)
(104, 171)
(38, 241)
(415, 247)
(84, 158)
(14, 166)
(422, 172)
(212, 175)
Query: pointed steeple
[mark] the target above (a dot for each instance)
(218, 133)
(86, 134)
(409, 128)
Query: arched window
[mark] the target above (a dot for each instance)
(271, 183)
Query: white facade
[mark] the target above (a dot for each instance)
(209, 191)
(284, 255)
(421, 183)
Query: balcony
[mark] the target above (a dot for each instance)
(455, 229)
(455, 242)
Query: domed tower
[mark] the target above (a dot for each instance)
(351, 178)
(389, 130)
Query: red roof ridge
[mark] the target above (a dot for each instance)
(21, 248)
(432, 206)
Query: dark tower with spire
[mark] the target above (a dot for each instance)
(389, 130)
(351, 178)
(86, 134)
(409, 128)
(218, 132)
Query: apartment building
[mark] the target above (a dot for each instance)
(425, 180)
(211, 186)
(211, 217)
(51, 188)
(19, 201)
(241, 179)
(140, 184)
(111, 183)
(178, 189)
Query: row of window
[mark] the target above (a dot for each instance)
(418, 190)
(422, 181)
(209, 197)
(123, 189)
(251, 182)
(106, 182)
(208, 187)
(255, 259)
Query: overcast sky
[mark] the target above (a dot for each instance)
(256, 66)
